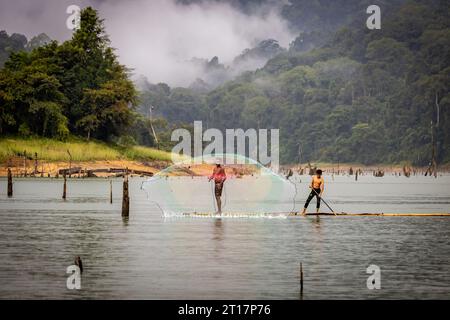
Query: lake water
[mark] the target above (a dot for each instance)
(151, 256)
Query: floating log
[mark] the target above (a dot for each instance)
(120, 172)
(91, 174)
(69, 171)
(141, 172)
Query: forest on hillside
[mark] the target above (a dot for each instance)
(339, 93)
(368, 96)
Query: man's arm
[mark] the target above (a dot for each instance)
(212, 176)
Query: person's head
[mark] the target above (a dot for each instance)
(218, 163)
(319, 172)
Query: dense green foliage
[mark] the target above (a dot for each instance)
(76, 87)
(364, 96)
(345, 94)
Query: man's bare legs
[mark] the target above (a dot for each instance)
(219, 204)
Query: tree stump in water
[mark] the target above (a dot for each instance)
(125, 198)
(64, 187)
(10, 186)
(110, 191)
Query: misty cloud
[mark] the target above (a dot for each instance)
(159, 38)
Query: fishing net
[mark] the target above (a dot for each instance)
(250, 190)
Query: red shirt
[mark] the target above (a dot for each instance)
(218, 174)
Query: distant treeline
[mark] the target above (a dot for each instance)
(18, 42)
(369, 96)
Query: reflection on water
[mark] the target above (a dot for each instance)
(151, 257)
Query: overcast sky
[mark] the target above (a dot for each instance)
(156, 37)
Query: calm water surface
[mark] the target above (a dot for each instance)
(153, 257)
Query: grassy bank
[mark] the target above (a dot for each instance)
(81, 150)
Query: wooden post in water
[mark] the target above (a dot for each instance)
(65, 186)
(79, 263)
(70, 163)
(10, 186)
(24, 163)
(125, 197)
(110, 191)
(301, 278)
(356, 175)
(35, 164)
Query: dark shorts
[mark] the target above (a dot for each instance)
(312, 195)
(218, 189)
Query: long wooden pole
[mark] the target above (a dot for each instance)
(323, 201)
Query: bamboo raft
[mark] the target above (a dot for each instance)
(293, 215)
(436, 214)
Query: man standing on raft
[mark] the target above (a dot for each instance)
(317, 186)
(219, 177)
